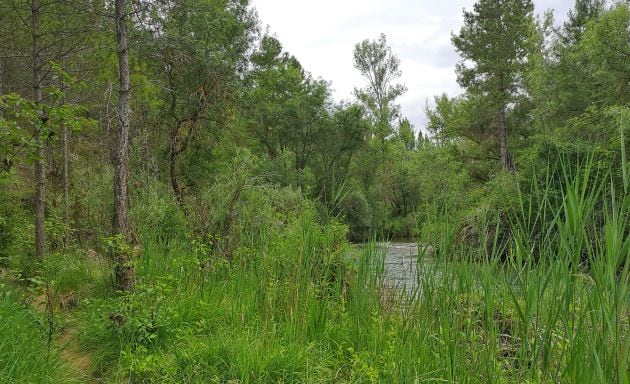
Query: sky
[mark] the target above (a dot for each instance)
(321, 35)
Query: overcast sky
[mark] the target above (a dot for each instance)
(322, 35)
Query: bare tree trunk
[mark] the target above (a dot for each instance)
(40, 181)
(125, 272)
(66, 181)
(506, 160)
(505, 157)
(172, 171)
(65, 138)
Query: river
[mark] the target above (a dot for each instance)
(401, 264)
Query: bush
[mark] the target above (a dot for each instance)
(240, 206)
(485, 226)
(156, 215)
(356, 211)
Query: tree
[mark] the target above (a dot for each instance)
(341, 136)
(381, 68)
(587, 67)
(199, 56)
(40, 176)
(125, 272)
(275, 78)
(582, 12)
(34, 39)
(466, 123)
(406, 134)
(497, 39)
(286, 109)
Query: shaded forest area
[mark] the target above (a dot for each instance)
(179, 195)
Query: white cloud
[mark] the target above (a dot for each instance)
(322, 35)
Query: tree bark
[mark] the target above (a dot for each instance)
(40, 182)
(65, 138)
(505, 157)
(172, 169)
(506, 160)
(125, 272)
(66, 182)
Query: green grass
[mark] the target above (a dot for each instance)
(24, 353)
(553, 308)
(549, 305)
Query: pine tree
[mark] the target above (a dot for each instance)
(496, 39)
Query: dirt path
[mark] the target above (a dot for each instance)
(71, 353)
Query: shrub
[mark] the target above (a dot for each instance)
(357, 215)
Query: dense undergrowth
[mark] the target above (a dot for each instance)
(295, 304)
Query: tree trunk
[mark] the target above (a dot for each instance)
(125, 272)
(505, 157)
(172, 170)
(66, 182)
(40, 182)
(506, 160)
(65, 161)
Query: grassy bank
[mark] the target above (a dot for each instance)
(549, 303)
(552, 307)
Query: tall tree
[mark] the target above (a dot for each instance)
(286, 108)
(200, 55)
(582, 12)
(497, 39)
(34, 39)
(125, 272)
(406, 134)
(341, 136)
(586, 71)
(381, 68)
(40, 177)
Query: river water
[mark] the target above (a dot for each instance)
(401, 264)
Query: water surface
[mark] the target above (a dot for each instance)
(401, 264)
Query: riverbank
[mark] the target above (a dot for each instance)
(301, 305)
(272, 321)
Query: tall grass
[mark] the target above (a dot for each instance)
(25, 356)
(548, 304)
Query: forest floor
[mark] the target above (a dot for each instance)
(71, 353)
(77, 360)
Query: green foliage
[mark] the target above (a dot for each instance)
(484, 225)
(206, 322)
(140, 319)
(405, 132)
(74, 275)
(585, 73)
(240, 203)
(15, 224)
(18, 115)
(157, 216)
(376, 62)
(495, 37)
(358, 216)
(93, 206)
(495, 44)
